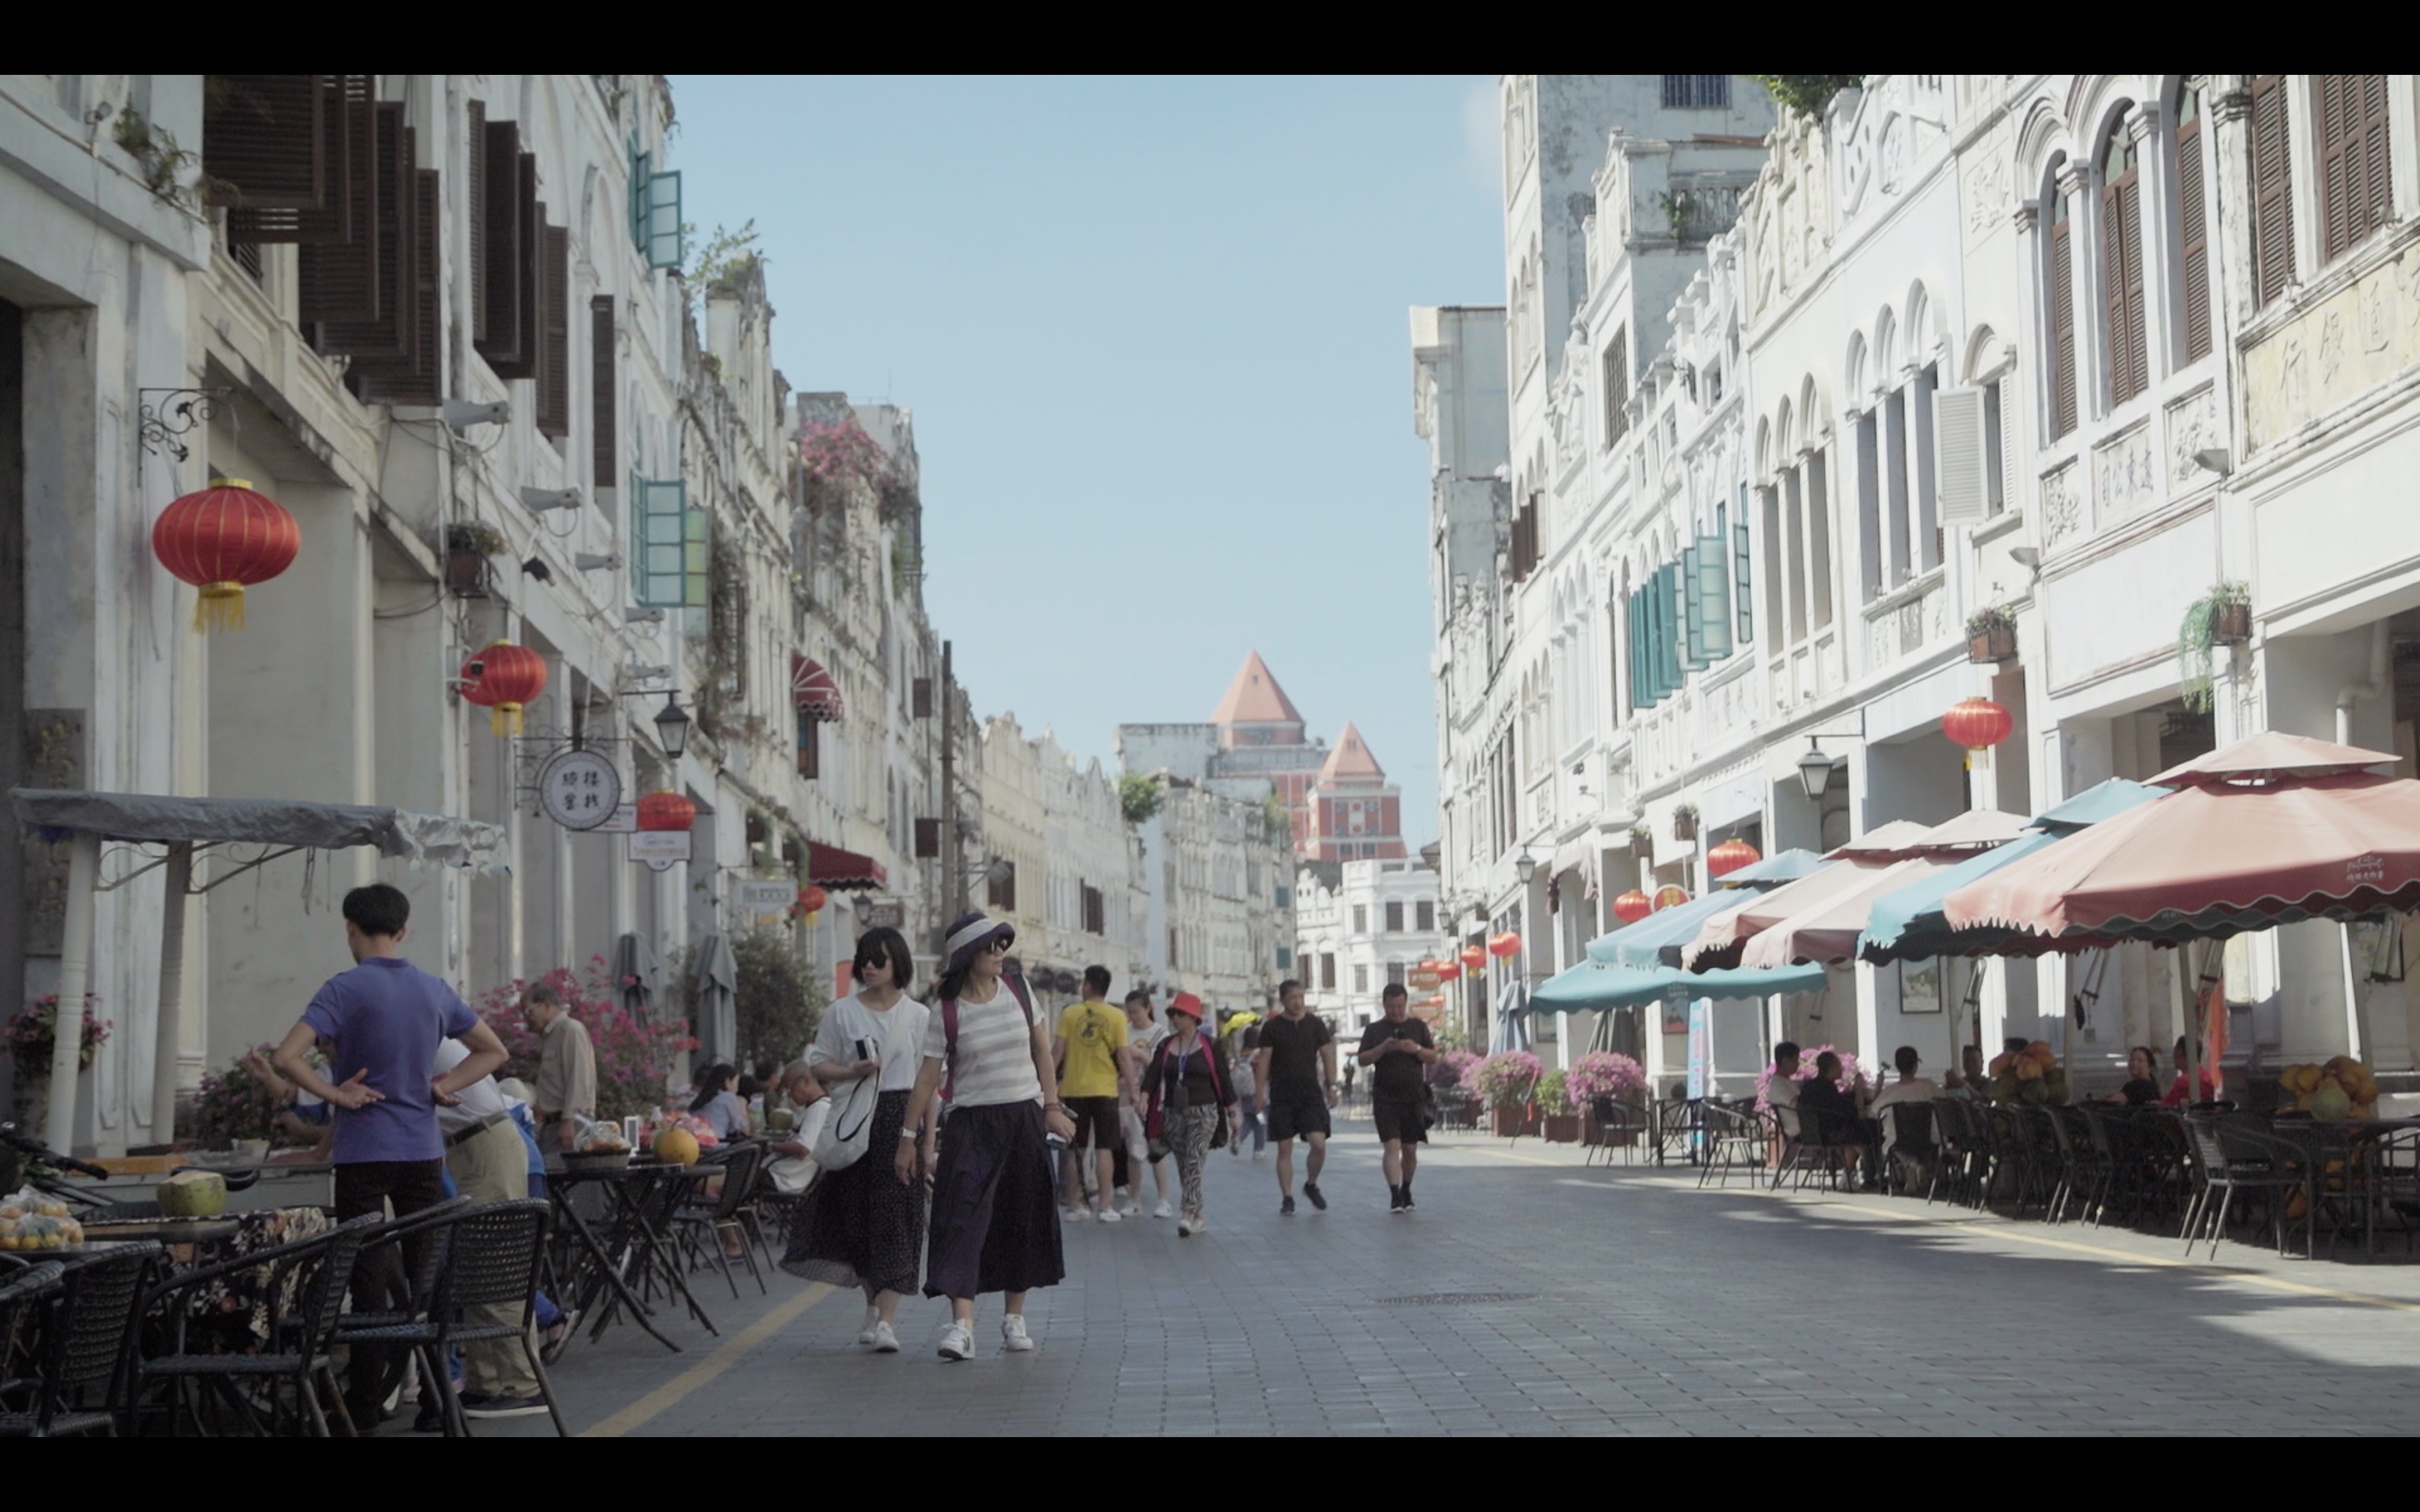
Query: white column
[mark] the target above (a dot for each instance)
(75, 976)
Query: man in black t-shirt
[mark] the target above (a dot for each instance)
(1397, 1050)
(1296, 1071)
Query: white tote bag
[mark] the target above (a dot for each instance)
(845, 1135)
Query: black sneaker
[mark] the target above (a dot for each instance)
(1394, 1199)
(1407, 1197)
(1310, 1190)
(1285, 1208)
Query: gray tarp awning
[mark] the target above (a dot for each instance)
(432, 839)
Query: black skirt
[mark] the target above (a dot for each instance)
(859, 1225)
(995, 1207)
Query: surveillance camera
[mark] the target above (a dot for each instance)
(538, 501)
(461, 414)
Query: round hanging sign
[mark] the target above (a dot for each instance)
(580, 789)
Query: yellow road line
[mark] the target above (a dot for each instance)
(733, 1350)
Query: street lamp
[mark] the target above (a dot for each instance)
(1525, 867)
(671, 726)
(1815, 771)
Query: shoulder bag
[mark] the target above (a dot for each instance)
(850, 1127)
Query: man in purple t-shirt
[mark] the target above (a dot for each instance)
(382, 1022)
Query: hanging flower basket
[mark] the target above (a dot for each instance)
(1684, 824)
(2230, 624)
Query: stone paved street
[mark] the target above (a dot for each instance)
(1649, 1308)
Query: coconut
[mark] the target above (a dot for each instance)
(191, 1195)
(677, 1147)
(2329, 1105)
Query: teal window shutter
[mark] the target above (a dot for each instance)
(697, 548)
(660, 238)
(1636, 623)
(1670, 577)
(659, 514)
(1693, 615)
(1713, 594)
(642, 166)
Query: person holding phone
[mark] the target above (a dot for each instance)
(860, 1225)
(1399, 1050)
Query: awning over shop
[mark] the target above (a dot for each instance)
(814, 689)
(1592, 987)
(168, 818)
(1775, 870)
(829, 866)
(1636, 945)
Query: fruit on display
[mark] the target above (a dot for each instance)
(602, 1139)
(2030, 1075)
(676, 1146)
(191, 1195)
(2341, 1089)
(31, 1221)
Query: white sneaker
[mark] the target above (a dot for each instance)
(1076, 1215)
(873, 1321)
(1014, 1339)
(957, 1341)
(1163, 1210)
(1133, 1209)
(882, 1338)
(1110, 1216)
(1200, 1223)
(1184, 1229)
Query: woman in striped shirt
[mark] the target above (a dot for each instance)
(995, 1223)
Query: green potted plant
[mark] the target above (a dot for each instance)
(1992, 635)
(1560, 1118)
(468, 547)
(2221, 617)
(29, 1034)
(1685, 823)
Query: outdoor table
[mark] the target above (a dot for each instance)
(617, 1268)
(2357, 1143)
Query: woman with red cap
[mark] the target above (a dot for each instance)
(1189, 1092)
(995, 1223)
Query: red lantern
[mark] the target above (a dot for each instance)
(1473, 957)
(811, 899)
(1448, 970)
(1504, 945)
(1632, 906)
(1978, 724)
(222, 540)
(1730, 856)
(668, 810)
(503, 678)
(1670, 896)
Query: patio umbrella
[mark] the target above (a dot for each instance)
(1907, 924)
(634, 974)
(2273, 829)
(1593, 987)
(1827, 930)
(1719, 941)
(718, 1013)
(1642, 944)
(1511, 1019)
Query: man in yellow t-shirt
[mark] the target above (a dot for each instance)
(1090, 1046)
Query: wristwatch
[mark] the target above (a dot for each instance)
(907, 1133)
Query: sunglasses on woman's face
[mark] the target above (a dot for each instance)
(1000, 942)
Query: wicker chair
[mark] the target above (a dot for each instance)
(2234, 1158)
(24, 1290)
(1912, 1144)
(1617, 1126)
(700, 1228)
(1735, 1139)
(86, 1328)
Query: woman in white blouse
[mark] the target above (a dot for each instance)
(860, 1225)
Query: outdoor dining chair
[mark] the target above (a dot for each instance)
(1735, 1139)
(702, 1229)
(1913, 1147)
(22, 1290)
(84, 1330)
(298, 1352)
(2232, 1159)
(1614, 1125)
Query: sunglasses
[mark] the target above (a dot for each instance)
(1000, 942)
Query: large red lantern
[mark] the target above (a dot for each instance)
(222, 540)
(811, 897)
(1474, 957)
(1504, 945)
(1978, 724)
(1448, 969)
(670, 810)
(504, 679)
(1730, 856)
(1632, 906)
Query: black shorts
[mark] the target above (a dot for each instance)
(1295, 1113)
(1401, 1118)
(1096, 1121)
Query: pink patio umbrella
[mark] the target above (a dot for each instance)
(1719, 944)
(1827, 931)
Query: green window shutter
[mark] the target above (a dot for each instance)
(1740, 583)
(1713, 595)
(660, 517)
(1694, 656)
(1670, 578)
(661, 241)
(642, 167)
(1636, 623)
(697, 550)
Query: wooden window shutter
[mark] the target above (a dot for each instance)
(501, 230)
(2193, 224)
(2062, 325)
(604, 447)
(2272, 198)
(555, 337)
(810, 746)
(346, 145)
(919, 703)
(415, 377)
(928, 840)
(389, 335)
(265, 142)
(2354, 193)
(1617, 387)
(474, 204)
(346, 278)
(1958, 455)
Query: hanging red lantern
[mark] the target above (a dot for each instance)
(811, 899)
(504, 679)
(1978, 724)
(1730, 856)
(1474, 957)
(1448, 969)
(670, 810)
(223, 540)
(1632, 906)
(1504, 945)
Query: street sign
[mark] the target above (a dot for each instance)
(664, 845)
(580, 789)
(872, 914)
(763, 898)
(625, 821)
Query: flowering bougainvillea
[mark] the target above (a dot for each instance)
(1507, 1077)
(1451, 1069)
(32, 1030)
(1604, 1074)
(841, 452)
(634, 1058)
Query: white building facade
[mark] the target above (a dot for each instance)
(1361, 925)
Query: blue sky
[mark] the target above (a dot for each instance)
(1154, 333)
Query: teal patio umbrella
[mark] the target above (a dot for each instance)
(1593, 987)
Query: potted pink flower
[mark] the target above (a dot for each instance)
(1507, 1080)
(1806, 1059)
(1604, 1074)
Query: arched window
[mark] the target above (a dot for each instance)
(2061, 281)
(2121, 267)
(2355, 184)
(2192, 228)
(2273, 191)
